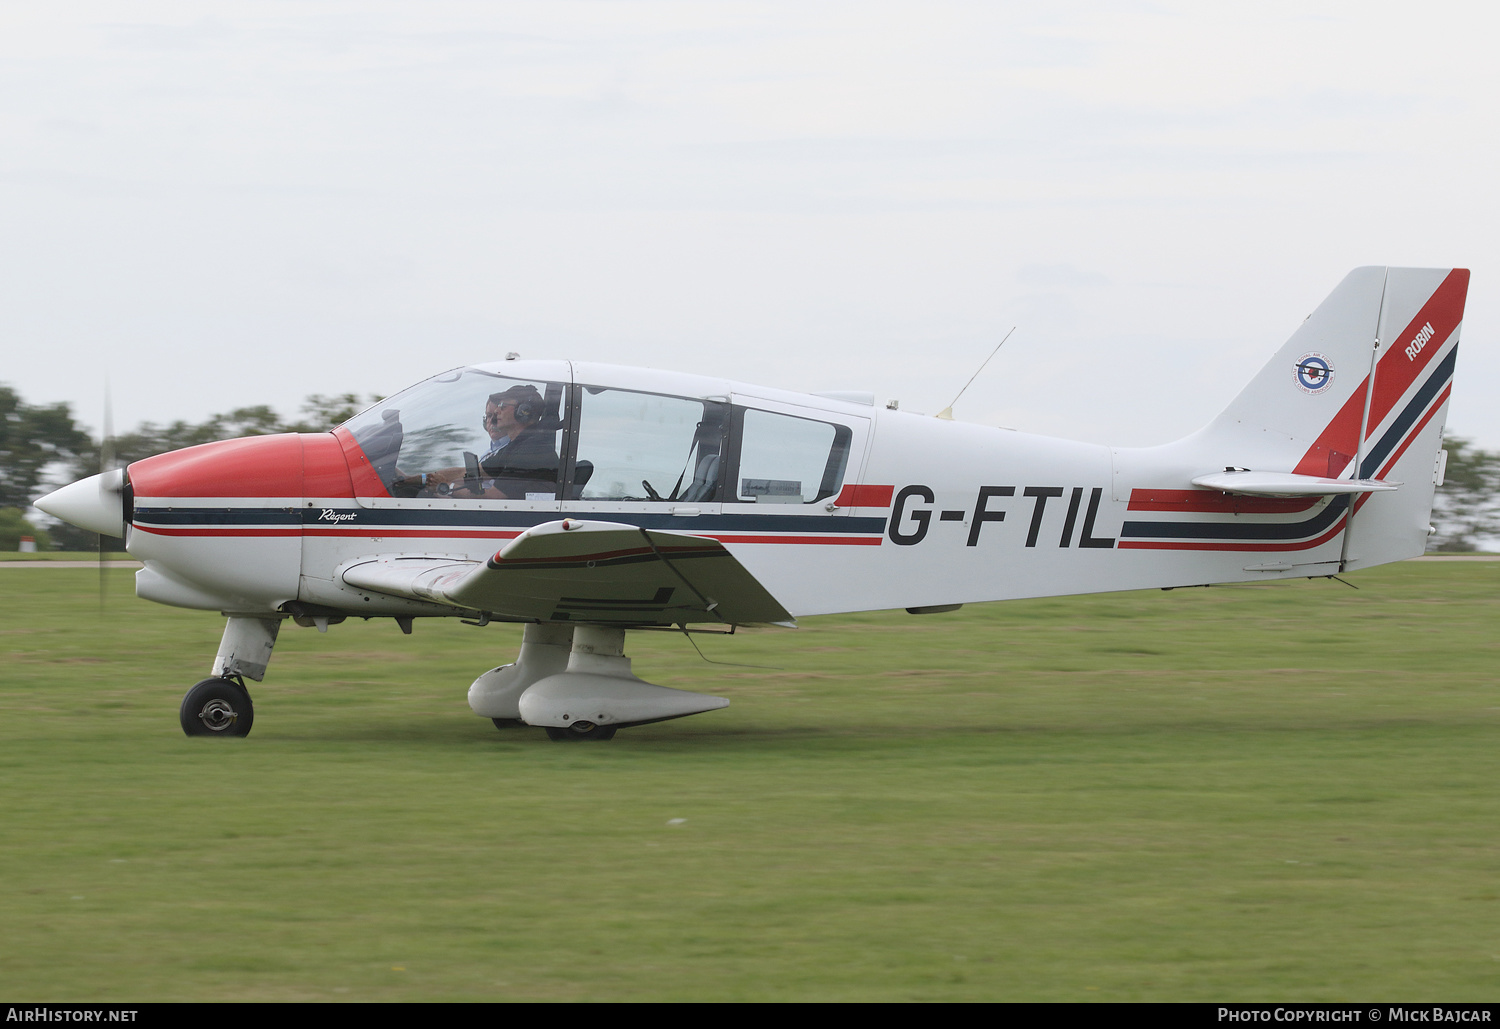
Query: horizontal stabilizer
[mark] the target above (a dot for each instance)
(602, 573)
(1288, 484)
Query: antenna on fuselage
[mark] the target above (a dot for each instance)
(947, 413)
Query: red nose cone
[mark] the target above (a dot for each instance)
(256, 466)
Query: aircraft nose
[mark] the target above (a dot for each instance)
(96, 503)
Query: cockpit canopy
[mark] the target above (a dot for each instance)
(482, 433)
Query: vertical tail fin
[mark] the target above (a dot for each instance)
(1360, 391)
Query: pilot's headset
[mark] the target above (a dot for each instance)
(529, 403)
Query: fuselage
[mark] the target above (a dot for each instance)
(832, 504)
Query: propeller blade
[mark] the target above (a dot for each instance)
(106, 464)
(101, 575)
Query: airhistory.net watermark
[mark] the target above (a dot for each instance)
(54, 1013)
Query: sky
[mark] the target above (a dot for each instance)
(218, 205)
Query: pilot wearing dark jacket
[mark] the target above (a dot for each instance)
(521, 458)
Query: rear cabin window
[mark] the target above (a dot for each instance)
(789, 460)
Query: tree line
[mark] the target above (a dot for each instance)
(42, 447)
(1466, 508)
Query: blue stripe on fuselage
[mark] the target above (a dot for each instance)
(367, 518)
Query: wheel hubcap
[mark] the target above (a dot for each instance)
(217, 715)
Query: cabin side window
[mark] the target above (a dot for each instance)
(636, 446)
(784, 459)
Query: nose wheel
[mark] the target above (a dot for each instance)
(217, 707)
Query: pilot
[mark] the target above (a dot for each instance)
(520, 448)
(522, 457)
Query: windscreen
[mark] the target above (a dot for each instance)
(467, 432)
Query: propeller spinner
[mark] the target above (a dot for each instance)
(96, 503)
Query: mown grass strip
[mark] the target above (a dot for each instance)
(1281, 791)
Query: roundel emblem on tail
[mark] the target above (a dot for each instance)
(1314, 373)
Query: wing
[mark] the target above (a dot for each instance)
(592, 572)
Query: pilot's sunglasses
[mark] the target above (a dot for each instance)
(489, 418)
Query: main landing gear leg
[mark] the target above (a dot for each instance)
(220, 706)
(497, 693)
(596, 693)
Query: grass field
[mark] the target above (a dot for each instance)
(62, 555)
(1278, 792)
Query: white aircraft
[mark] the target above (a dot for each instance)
(586, 499)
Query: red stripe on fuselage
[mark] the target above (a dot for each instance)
(1306, 545)
(865, 496)
(1211, 502)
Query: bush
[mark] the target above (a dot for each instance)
(13, 526)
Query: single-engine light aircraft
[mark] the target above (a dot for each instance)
(584, 500)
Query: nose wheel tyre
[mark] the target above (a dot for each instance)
(217, 707)
(581, 730)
